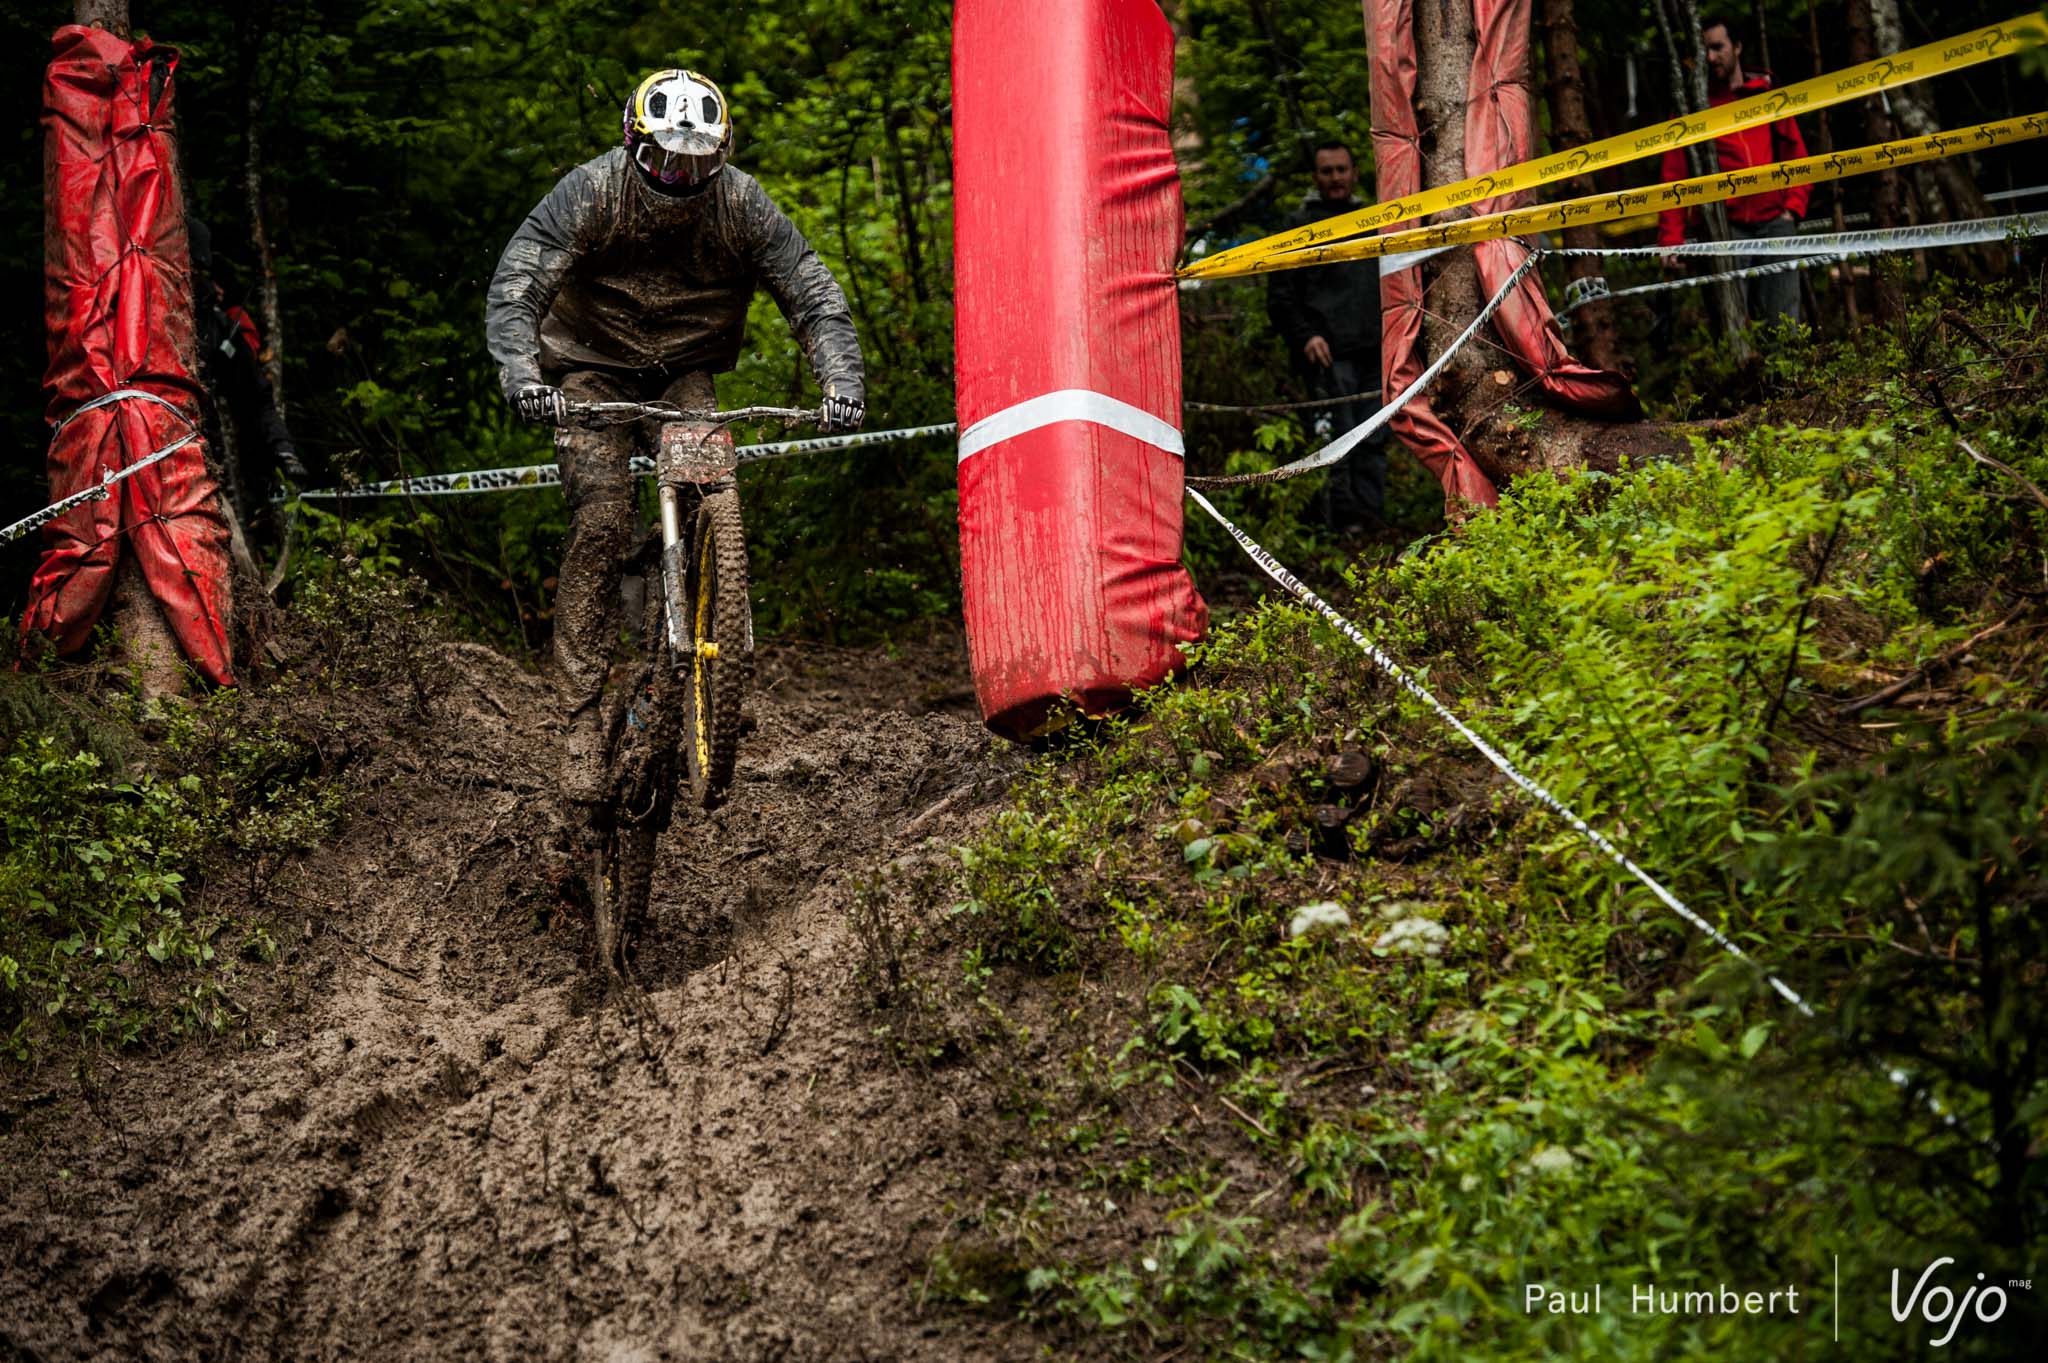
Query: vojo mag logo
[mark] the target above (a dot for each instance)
(2035, 123)
(1938, 1305)
(1729, 183)
(1784, 173)
(1573, 208)
(1943, 143)
(1839, 164)
(1685, 189)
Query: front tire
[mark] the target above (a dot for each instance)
(721, 665)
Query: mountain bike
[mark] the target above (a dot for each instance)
(696, 657)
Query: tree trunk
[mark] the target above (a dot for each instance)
(111, 15)
(259, 225)
(1473, 393)
(1884, 184)
(1689, 95)
(1947, 191)
(141, 631)
(1593, 330)
(1824, 141)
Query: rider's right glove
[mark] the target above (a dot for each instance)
(538, 402)
(842, 413)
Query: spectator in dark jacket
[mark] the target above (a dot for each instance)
(1773, 213)
(1329, 318)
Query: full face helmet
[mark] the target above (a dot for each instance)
(678, 130)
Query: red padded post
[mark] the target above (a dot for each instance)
(1067, 222)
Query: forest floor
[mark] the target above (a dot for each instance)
(1266, 1021)
(438, 1138)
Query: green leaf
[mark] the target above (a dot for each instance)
(1710, 1044)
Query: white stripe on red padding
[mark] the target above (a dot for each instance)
(1069, 404)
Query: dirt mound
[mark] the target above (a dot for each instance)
(443, 1141)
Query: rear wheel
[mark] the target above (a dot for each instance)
(721, 665)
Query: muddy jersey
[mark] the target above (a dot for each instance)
(605, 273)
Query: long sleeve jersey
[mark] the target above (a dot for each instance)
(607, 273)
(1758, 146)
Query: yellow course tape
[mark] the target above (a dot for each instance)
(1734, 184)
(1932, 59)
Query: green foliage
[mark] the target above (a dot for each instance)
(104, 938)
(1516, 1066)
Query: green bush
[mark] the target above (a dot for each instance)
(104, 934)
(1567, 1084)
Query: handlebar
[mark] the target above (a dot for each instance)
(595, 414)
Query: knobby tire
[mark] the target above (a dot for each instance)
(720, 616)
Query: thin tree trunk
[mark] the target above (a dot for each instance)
(111, 15)
(1470, 394)
(1593, 330)
(259, 226)
(1689, 94)
(906, 209)
(1948, 192)
(1884, 185)
(1299, 143)
(1824, 138)
(141, 630)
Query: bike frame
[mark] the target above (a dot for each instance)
(694, 448)
(700, 454)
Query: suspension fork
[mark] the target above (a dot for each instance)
(694, 454)
(674, 573)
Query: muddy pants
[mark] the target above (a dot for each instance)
(603, 531)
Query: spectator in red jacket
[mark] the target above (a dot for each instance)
(1773, 213)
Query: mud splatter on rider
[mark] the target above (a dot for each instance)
(630, 281)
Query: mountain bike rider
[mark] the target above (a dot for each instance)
(630, 281)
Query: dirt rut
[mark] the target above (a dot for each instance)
(441, 1140)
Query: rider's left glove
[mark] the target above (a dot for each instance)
(540, 403)
(842, 413)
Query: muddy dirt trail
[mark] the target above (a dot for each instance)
(438, 1138)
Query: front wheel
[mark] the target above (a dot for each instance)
(721, 660)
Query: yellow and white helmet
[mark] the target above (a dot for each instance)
(678, 130)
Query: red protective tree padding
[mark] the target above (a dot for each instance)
(1067, 223)
(118, 312)
(1500, 130)
(1397, 171)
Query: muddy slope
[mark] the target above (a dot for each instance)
(441, 1141)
